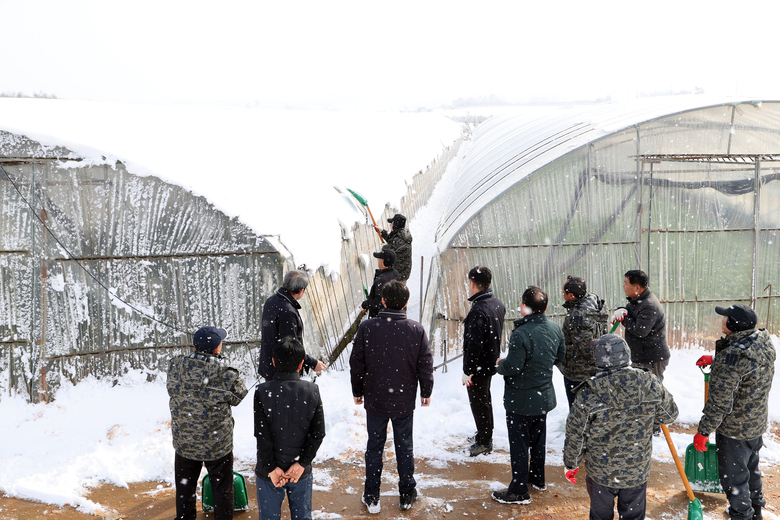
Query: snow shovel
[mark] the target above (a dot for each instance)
(695, 511)
(364, 202)
(701, 467)
(240, 500)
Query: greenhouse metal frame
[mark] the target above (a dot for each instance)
(686, 190)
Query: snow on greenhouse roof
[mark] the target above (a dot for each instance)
(505, 149)
(273, 169)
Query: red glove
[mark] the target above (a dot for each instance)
(571, 474)
(704, 361)
(700, 442)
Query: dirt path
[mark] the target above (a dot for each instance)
(447, 491)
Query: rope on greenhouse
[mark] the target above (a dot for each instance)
(82, 266)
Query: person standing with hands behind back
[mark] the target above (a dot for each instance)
(289, 427)
(482, 332)
(738, 406)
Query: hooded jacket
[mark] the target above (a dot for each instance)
(610, 425)
(536, 345)
(202, 388)
(742, 372)
(390, 357)
(400, 241)
(585, 321)
(482, 332)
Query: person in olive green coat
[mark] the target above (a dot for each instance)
(535, 346)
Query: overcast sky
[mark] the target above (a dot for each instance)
(385, 55)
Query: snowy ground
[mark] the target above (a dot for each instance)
(95, 432)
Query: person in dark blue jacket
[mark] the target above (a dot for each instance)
(281, 320)
(482, 332)
(390, 358)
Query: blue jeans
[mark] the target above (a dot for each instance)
(270, 498)
(527, 435)
(404, 452)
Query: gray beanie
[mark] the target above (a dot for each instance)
(611, 351)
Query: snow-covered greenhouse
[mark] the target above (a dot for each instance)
(686, 190)
(106, 267)
(101, 268)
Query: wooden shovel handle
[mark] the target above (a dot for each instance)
(381, 238)
(679, 464)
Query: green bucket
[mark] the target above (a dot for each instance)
(240, 501)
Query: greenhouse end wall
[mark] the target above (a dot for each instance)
(705, 231)
(123, 271)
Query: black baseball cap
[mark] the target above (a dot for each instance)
(387, 255)
(397, 220)
(209, 338)
(740, 317)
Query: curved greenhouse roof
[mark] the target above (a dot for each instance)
(686, 189)
(505, 149)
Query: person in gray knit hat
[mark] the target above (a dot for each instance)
(616, 451)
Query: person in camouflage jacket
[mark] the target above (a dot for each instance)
(202, 388)
(737, 407)
(585, 321)
(610, 428)
(400, 241)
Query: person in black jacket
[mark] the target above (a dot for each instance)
(289, 427)
(385, 273)
(482, 332)
(390, 357)
(281, 320)
(645, 324)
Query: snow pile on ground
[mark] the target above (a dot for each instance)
(273, 169)
(95, 432)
